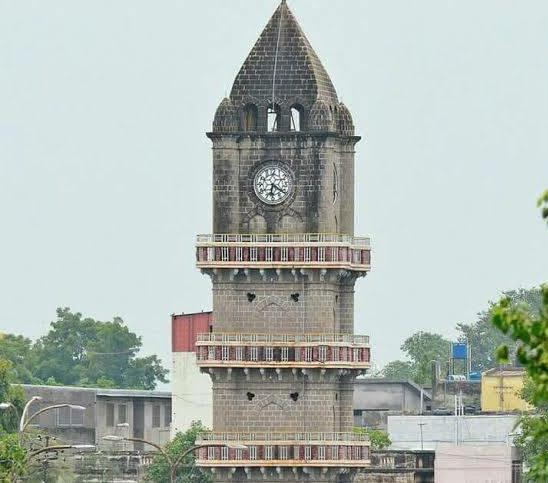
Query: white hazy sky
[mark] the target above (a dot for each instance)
(105, 171)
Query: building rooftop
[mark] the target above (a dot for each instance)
(381, 380)
(505, 371)
(103, 392)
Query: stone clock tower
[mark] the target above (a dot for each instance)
(283, 260)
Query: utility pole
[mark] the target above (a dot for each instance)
(422, 440)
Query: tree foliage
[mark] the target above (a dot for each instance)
(9, 418)
(12, 453)
(12, 457)
(159, 470)
(81, 351)
(484, 337)
(379, 439)
(398, 370)
(421, 349)
(530, 330)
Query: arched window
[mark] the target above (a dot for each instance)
(297, 117)
(274, 114)
(250, 117)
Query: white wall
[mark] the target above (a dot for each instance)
(191, 393)
(404, 431)
(473, 464)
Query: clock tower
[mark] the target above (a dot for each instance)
(283, 261)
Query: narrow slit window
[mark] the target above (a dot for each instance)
(250, 117)
(297, 118)
(273, 118)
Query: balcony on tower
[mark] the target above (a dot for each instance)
(308, 250)
(263, 450)
(283, 351)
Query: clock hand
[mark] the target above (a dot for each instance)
(278, 188)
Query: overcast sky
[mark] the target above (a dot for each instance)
(105, 170)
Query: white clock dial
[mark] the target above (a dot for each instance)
(273, 184)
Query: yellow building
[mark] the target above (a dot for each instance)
(501, 388)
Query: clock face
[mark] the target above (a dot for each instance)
(273, 184)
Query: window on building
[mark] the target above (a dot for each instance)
(356, 354)
(70, 417)
(211, 453)
(225, 353)
(224, 453)
(167, 416)
(297, 118)
(250, 117)
(296, 452)
(307, 452)
(122, 413)
(357, 452)
(334, 452)
(336, 356)
(269, 354)
(156, 416)
(285, 354)
(63, 416)
(269, 452)
(274, 114)
(211, 353)
(284, 452)
(239, 454)
(308, 354)
(110, 415)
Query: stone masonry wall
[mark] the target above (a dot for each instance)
(322, 167)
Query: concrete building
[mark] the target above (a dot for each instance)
(375, 399)
(283, 262)
(427, 432)
(498, 463)
(500, 390)
(119, 412)
(191, 389)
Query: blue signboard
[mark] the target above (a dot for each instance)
(460, 350)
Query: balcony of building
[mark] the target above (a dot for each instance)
(283, 450)
(310, 250)
(277, 351)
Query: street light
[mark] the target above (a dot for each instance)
(59, 447)
(173, 463)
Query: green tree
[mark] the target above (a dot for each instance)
(398, 370)
(18, 350)
(83, 351)
(12, 457)
(379, 439)
(530, 330)
(421, 349)
(12, 454)
(484, 337)
(160, 469)
(9, 418)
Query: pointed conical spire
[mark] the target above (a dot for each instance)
(283, 63)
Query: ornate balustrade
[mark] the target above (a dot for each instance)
(283, 449)
(283, 350)
(318, 250)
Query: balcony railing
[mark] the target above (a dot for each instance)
(283, 250)
(283, 449)
(283, 339)
(283, 350)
